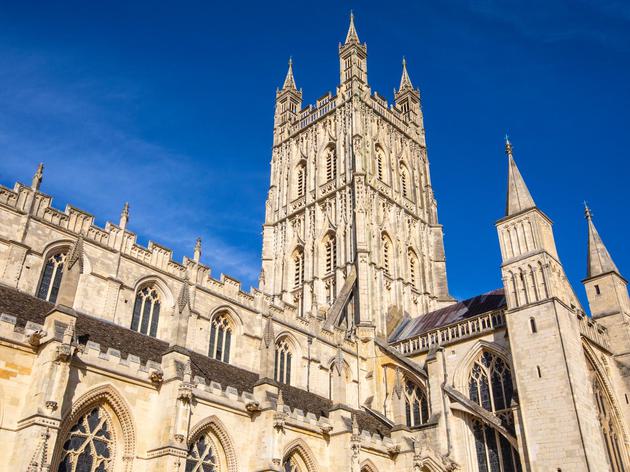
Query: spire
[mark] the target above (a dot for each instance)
(352, 36)
(518, 196)
(124, 216)
(37, 178)
(289, 81)
(405, 81)
(598, 259)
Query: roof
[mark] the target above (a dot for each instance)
(410, 327)
(109, 335)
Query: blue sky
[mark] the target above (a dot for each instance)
(169, 105)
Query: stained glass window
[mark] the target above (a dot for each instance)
(202, 456)
(89, 446)
(146, 311)
(51, 278)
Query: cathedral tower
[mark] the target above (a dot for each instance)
(351, 232)
(543, 319)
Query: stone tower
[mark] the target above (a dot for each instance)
(543, 319)
(351, 231)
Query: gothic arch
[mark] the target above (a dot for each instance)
(233, 315)
(108, 395)
(218, 429)
(169, 299)
(299, 446)
(293, 342)
(460, 375)
(347, 371)
(61, 244)
(368, 466)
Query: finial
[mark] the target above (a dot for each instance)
(508, 146)
(124, 216)
(405, 81)
(197, 253)
(587, 212)
(280, 401)
(352, 36)
(37, 178)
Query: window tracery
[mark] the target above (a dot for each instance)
(330, 250)
(51, 277)
(301, 180)
(380, 164)
(416, 405)
(220, 338)
(283, 362)
(146, 311)
(202, 455)
(413, 268)
(89, 446)
(298, 267)
(404, 181)
(387, 253)
(490, 386)
(331, 164)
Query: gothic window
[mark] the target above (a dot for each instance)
(220, 338)
(330, 286)
(331, 164)
(416, 405)
(202, 456)
(404, 181)
(413, 268)
(51, 277)
(380, 164)
(89, 446)
(300, 180)
(283, 362)
(490, 386)
(293, 463)
(387, 253)
(330, 250)
(146, 311)
(298, 267)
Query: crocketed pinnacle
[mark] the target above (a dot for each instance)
(518, 196)
(352, 36)
(289, 81)
(405, 81)
(598, 258)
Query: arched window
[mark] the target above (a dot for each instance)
(416, 405)
(293, 463)
(413, 268)
(380, 164)
(387, 253)
(220, 338)
(300, 180)
(89, 445)
(404, 181)
(330, 250)
(51, 277)
(146, 311)
(283, 362)
(331, 164)
(490, 386)
(202, 455)
(298, 267)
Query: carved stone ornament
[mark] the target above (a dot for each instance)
(35, 337)
(63, 353)
(156, 377)
(184, 393)
(253, 406)
(279, 420)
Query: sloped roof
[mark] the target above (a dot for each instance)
(410, 327)
(109, 335)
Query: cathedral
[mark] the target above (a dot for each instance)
(349, 356)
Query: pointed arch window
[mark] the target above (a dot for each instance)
(220, 338)
(51, 277)
(416, 405)
(413, 268)
(146, 311)
(380, 164)
(404, 181)
(283, 362)
(331, 164)
(202, 455)
(298, 267)
(89, 446)
(330, 250)
(300, 180)
(490, 386)
(293, 463)
(387, 253)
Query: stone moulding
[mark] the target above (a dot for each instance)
(214, 425)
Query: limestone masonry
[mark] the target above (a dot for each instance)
(349, 356)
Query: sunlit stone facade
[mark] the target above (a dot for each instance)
(349, 356)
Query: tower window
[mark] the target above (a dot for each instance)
(330, 249)
(379, 164)
(220, 338)
(331, 164)
(597, 290)
(301, 181)
(538, 372)
(404, 184)
(413, 267)
(532, 325)
(298, 267)
(387, 253)
(146, 311)
(51, 277)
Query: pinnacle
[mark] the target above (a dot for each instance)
(598, 258)
(352, 36)
(518, 196)
(289, 81)
(405, 81)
